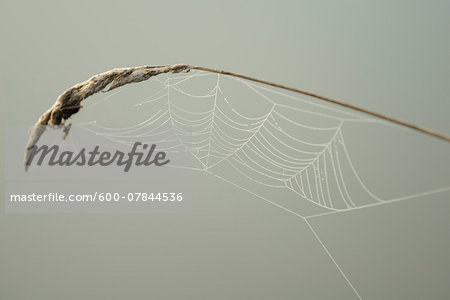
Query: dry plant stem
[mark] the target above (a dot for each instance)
(331, 100)
(68, 103)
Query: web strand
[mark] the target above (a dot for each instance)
(283, 143)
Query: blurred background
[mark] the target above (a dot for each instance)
(388, 56)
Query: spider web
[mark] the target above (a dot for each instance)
(288, 151)
(268, 143)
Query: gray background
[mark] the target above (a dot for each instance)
(389, 56)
